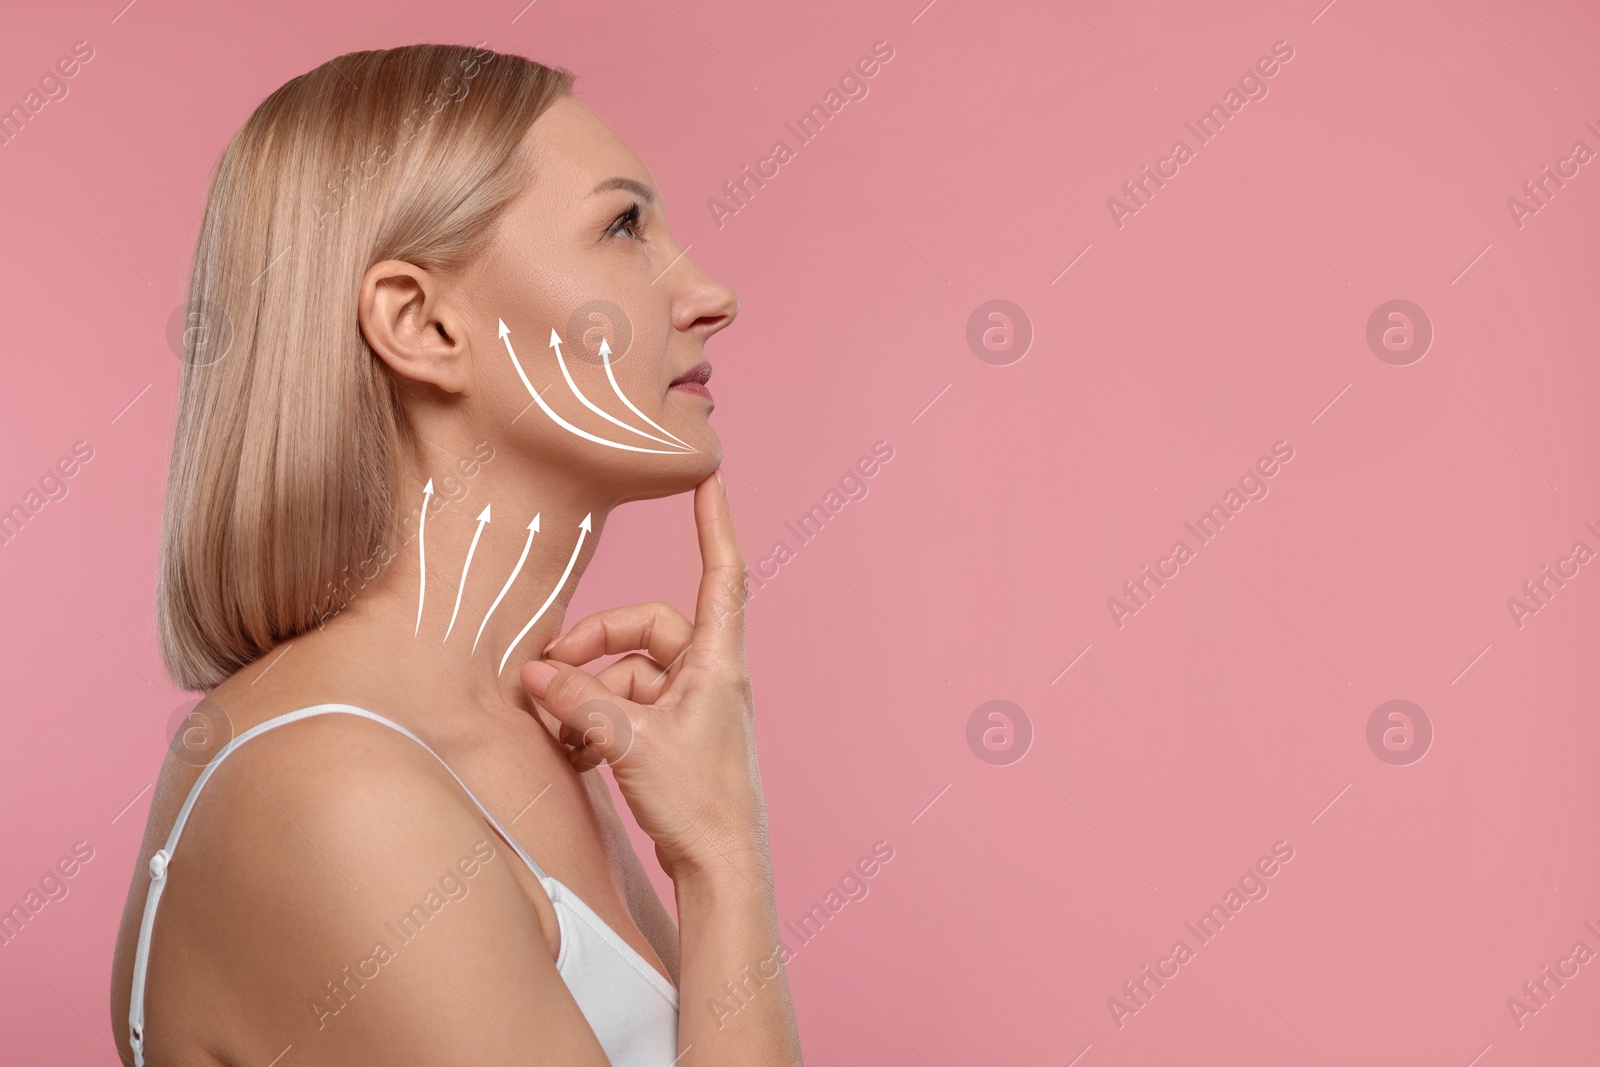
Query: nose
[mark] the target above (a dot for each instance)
(702, 305)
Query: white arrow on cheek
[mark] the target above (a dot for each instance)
(555, 343)
(505, 335)
(605, 357)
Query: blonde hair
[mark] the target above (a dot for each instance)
(289, 427)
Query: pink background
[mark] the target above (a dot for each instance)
(1229, 714)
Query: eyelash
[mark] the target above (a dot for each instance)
(628, 219)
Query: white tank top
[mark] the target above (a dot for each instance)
(632, 1009)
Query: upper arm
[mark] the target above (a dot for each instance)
(373, 914)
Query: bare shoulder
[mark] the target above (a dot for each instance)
(335, 889)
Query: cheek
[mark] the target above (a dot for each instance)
(617, 396)
(645, 366)
(598, 322)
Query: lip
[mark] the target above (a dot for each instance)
(694, 380)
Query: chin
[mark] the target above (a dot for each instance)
(690, 470)
(669, 476)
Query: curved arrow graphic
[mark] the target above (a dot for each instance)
(583, 531)
(533, 528)
(422, 556)
(605, 357)
(555, 343)
(483, 520)
(505, 335)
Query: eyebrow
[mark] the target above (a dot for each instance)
(637, 188)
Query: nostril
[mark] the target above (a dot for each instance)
(710, 324)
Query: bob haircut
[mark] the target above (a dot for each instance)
(289, 427)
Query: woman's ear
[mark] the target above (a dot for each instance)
(406, 321)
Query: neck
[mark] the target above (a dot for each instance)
(512, 602)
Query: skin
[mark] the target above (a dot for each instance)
(313, 836)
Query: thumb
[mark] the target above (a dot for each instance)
(600, 721)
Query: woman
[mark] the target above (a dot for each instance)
(402, 425)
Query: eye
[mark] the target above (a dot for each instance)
(627, 222)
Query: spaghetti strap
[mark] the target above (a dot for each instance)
(163, 856)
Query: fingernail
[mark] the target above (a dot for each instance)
(721, 480)
(551, 645)
(539, 674)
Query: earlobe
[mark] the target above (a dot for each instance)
(408, 324)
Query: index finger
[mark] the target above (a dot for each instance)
(659, 629)
(719, 608)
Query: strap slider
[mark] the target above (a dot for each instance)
(158, 864)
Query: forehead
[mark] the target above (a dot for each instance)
(572, 149)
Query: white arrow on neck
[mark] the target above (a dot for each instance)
(483, 520)
(533, 528)
(583, 531)
(605, 357)
(422, 556)
(555, 343)
(505, 332)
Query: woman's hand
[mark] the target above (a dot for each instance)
(677, 725)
